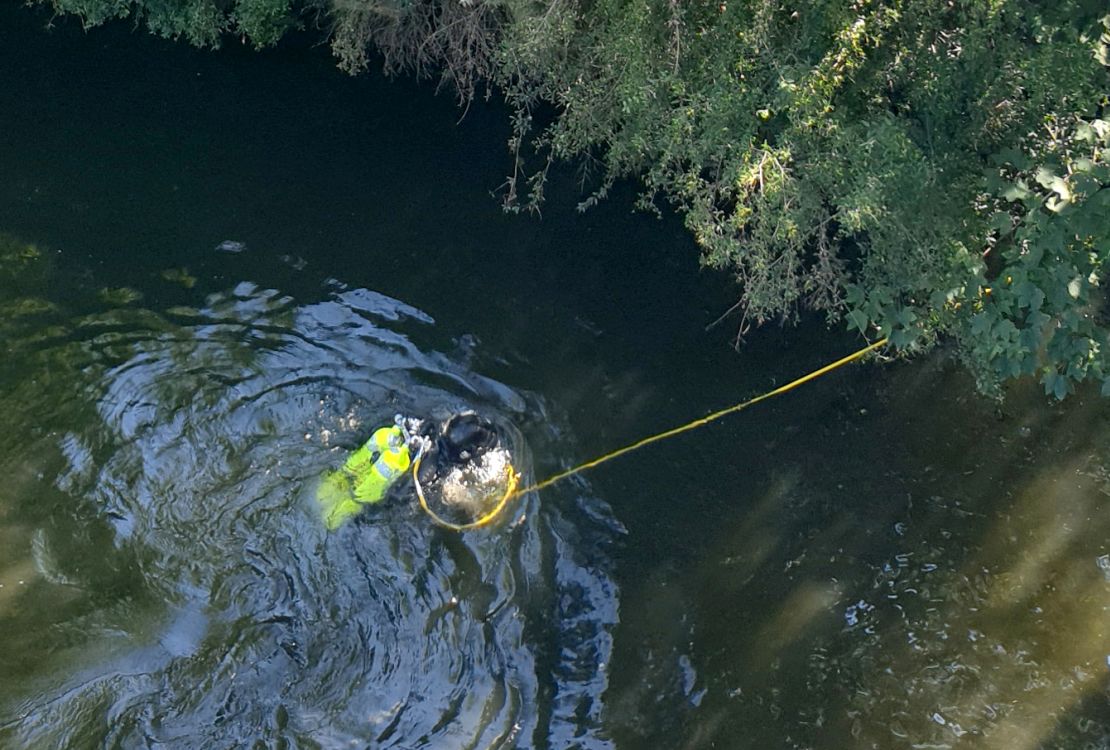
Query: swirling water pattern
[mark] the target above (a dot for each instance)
(883, 559)
(234, 619)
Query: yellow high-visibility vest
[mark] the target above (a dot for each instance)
(365, 476)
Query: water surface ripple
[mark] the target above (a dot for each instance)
(208, 607)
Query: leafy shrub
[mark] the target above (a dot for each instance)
(911, 168)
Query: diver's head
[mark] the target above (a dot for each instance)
(467, 436)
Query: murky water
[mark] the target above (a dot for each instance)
(176, 585)
(247, 262)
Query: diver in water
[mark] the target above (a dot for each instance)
(367, 475)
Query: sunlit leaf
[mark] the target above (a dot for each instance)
(1016, 191)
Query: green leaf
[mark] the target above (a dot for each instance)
(1060, 388)
(938, 299)
(1013, 157)
(1085, 183)
(1016, 191)
(905, 317)
(902, 338)
(853, 295)
(1056, 205)
(1052, 237)
(1077, 371)
(857, 320)
(1029, 295)
(994, 181)
(1001, 222)
(1006, 330)
(1102, 130)
(1055, 384)
(1038, 320)
(1045, 177)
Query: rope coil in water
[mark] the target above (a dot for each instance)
(514, 477)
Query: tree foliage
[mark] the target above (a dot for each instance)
(919, 169)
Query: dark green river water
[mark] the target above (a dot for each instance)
(219, 272)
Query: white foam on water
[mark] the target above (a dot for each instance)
(473, 487)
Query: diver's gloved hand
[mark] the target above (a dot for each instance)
(429, 468)
(418, 445)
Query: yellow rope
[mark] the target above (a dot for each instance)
(703, 421)
(514, 477)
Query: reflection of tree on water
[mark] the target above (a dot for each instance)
(1005, 627)
(59, 588)
(926, 575)
(208, 606)
(922, 575)
(24, 271)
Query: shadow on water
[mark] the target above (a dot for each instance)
(166, 579)
(928, 571)
(260, 260)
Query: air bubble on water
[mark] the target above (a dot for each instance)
(853, 613)
(231, 246)
(689, 675)
(1103, 563)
